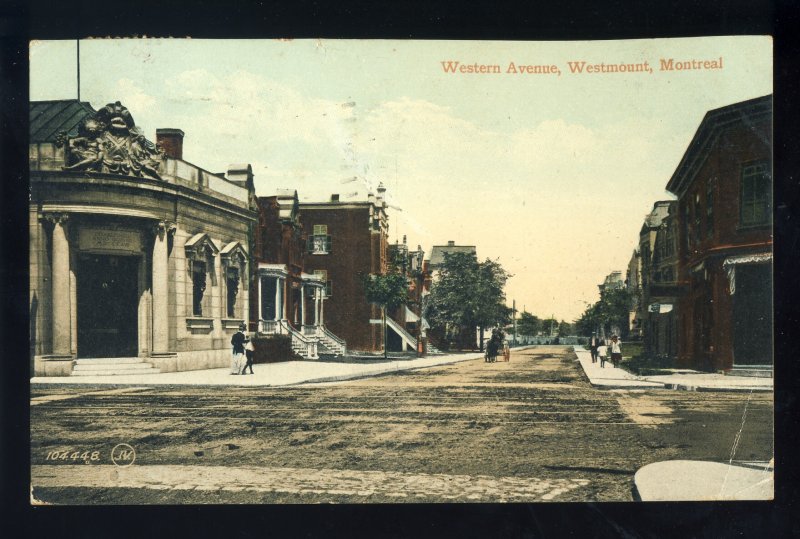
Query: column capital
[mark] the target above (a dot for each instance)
(162, 228)
(56, 218)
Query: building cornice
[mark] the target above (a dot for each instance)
(716, 121)
(145, 185)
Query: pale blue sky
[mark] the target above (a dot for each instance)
(552, 175)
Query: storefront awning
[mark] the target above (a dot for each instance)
(730, 263)
(410, 316)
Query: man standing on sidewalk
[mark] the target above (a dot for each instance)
(237, 342)
(593, 344)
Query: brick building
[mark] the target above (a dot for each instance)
(345, 242)
(659, 257)
(724, 213)
(284, 299)
(138, 259)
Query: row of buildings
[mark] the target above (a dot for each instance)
(702, 273)
(141, 261)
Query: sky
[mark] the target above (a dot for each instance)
(550, 174)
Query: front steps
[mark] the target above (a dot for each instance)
(112, 366)
(752, 371)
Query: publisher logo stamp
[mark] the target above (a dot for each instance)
(123, 455)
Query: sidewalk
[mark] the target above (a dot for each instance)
(692, 480)
(285, 373)
(687, 380)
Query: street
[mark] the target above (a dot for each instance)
(529, 430)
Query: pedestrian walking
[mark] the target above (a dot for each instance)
(249, 351)
(601, 353)
(506, 352)
(237, 352)
(616, 351)
(594, 342)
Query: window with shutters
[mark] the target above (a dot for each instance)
(319, 243)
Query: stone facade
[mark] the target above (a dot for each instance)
(132, 253)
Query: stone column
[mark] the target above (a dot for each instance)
(316, 306)
(322, 307)
(260, 303)
(277, 314)
(302, 305)
(62, 310)
(160, 287)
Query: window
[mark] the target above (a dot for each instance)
(710, 208)
(697, 231)
(756, 203)
(320, 242)
(198, 287)
(685, 227)
(232, 285)
(669, 242)
(323, 274)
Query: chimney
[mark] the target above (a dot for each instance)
(241, 175)
(334, 198)
(172, 141)
(451, 243)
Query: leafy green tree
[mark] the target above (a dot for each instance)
(611, 310)
(550, 326)
(564, 329)
(468, 294)
(388, 291)
(528, 324)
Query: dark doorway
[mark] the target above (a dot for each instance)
(108, 293)
(752, 315)
(268, 306)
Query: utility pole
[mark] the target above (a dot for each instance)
(514, 318)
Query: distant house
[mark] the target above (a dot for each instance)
(468, 337)
(345, 242)
(412, 325)
(138, 259)
(658, 248)
(285, 300)
(724, 215)
(633, 282)
(438, 251)
(613, 281)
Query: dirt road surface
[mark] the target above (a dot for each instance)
(530, 430)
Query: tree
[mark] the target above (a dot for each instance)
(612, 310)
(564, 329)
(550, 326)
(388, 291)
(467, 294)
(528, 324)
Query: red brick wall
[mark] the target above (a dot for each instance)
(356, 251)
(278, 243)
(735, 147)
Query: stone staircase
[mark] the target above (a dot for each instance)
(330, 344)
(112, 366)
(751, 371)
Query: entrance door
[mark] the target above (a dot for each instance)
(752, 315)
(107, 288)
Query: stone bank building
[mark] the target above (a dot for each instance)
(139, 260)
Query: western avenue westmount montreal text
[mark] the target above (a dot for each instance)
(580, 67)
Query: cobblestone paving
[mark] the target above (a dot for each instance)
(478, 488)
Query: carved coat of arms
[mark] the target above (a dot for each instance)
(109, 142)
